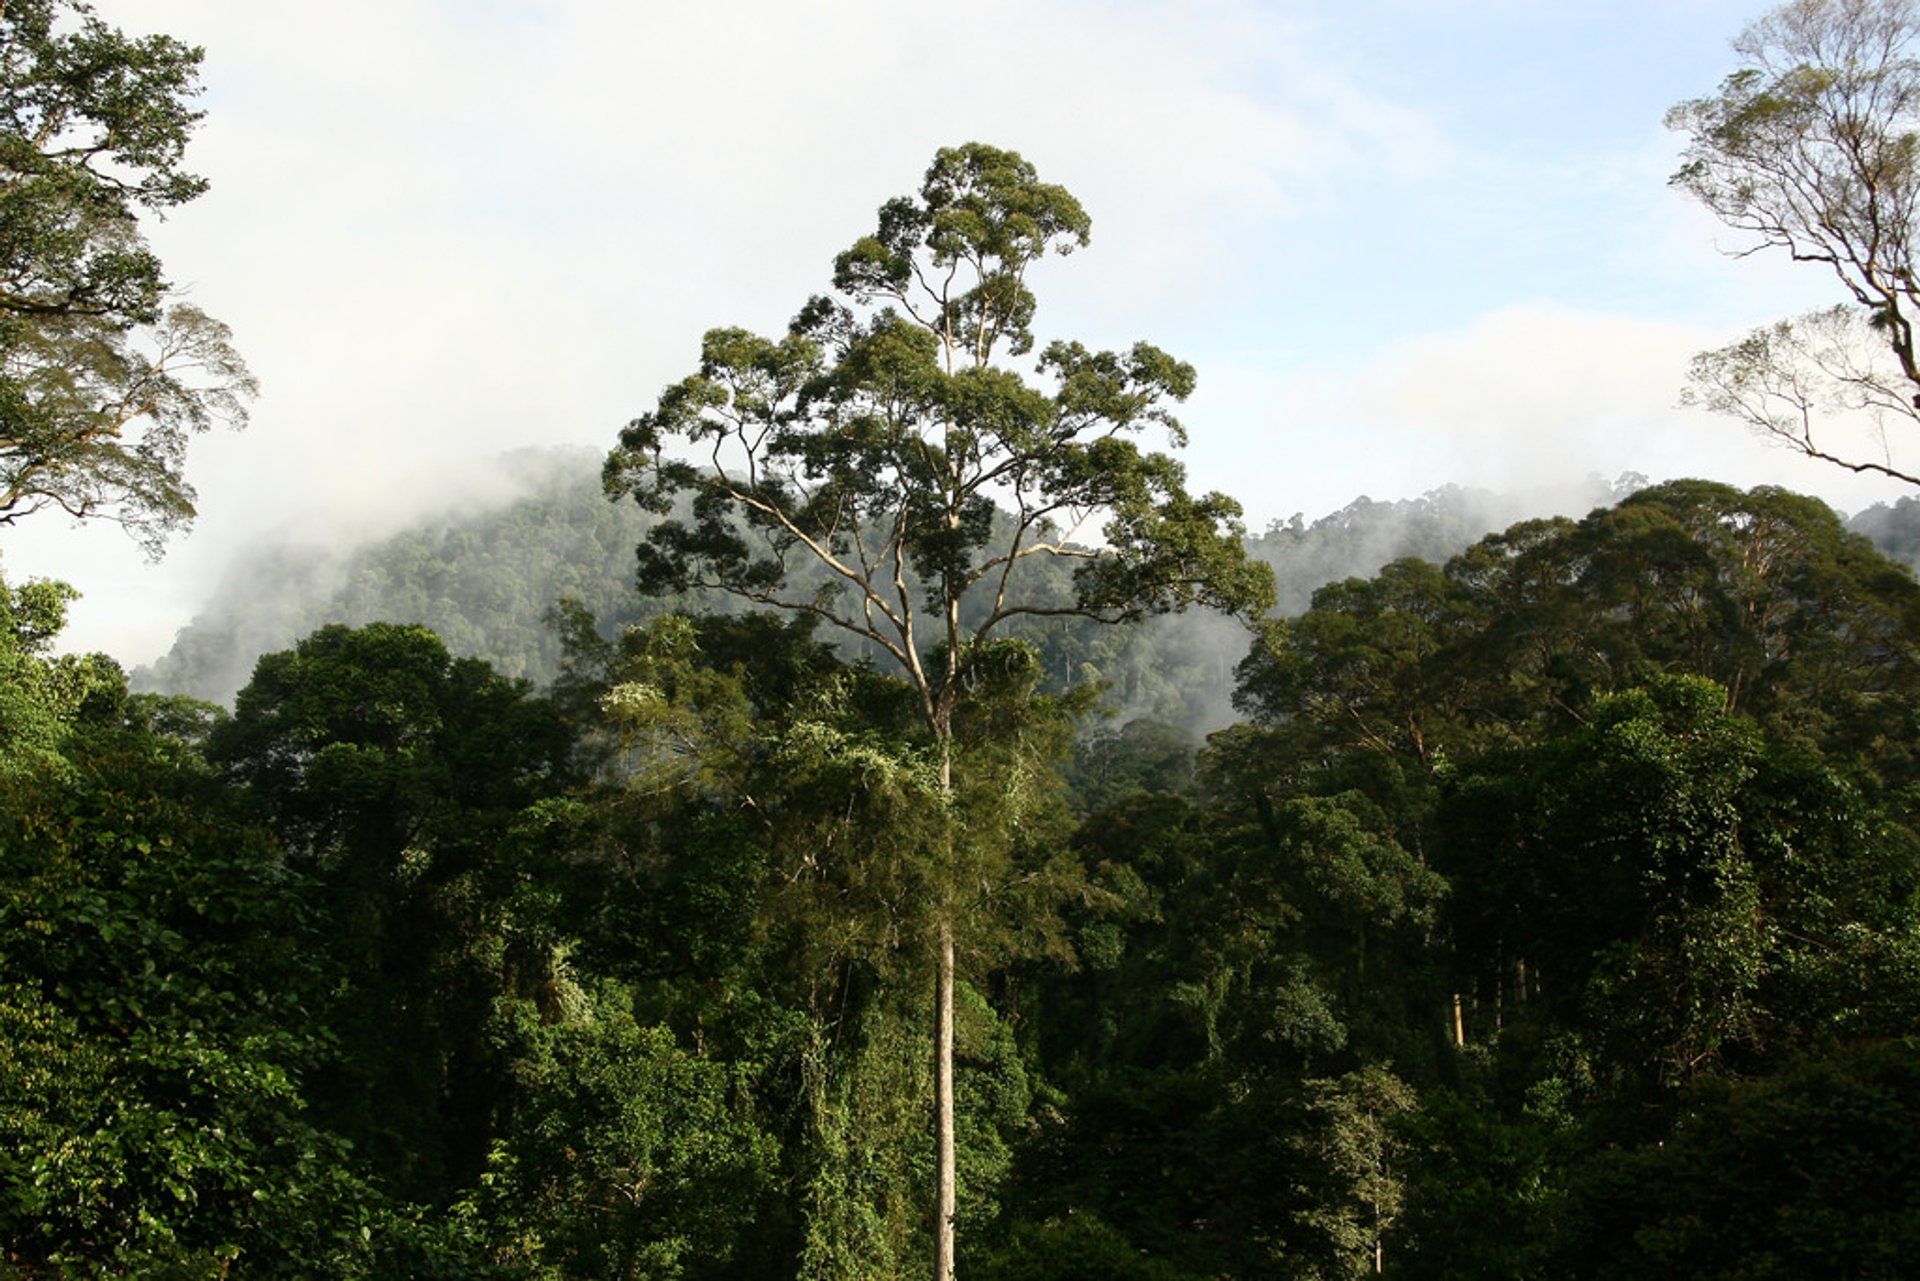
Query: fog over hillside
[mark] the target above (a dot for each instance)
(485, 579)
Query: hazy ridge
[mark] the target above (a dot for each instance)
(485, 579)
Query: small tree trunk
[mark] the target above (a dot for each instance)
(944, 1195)
(943, 1108)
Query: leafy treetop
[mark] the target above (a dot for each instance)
(1810, 149)
(876, 439)
(101, 381)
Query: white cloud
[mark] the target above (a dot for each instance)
(442, 229)
(1529, 395)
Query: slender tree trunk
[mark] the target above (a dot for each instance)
(944, 1197)
(943, 1108)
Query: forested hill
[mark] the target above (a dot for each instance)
(1894, 530)
(485, 580)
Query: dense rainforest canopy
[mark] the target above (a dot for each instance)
(1518, 897)
(1554, 912)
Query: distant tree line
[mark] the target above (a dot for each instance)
(488, 582)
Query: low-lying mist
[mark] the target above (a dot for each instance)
(486, 579)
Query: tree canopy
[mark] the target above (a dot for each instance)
(1556, 914)
(103, 376)
(1811, 149)
(876, 442)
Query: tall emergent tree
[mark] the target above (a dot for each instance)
(878, 465)
(102, 378)
(1811, 148)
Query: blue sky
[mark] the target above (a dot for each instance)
(1406, 244)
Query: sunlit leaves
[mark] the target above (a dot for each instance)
(1810, 149)
(626, 1153)
(875, 442)
(159, 1024)
(41, 693)
(101, 381)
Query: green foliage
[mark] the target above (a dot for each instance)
(375, 739)
(1141, 756)
(1240, 988)
(863, 1149)
(629, 982)
(101, 382)
(627, 1155)
(420, 792)
(1079, 1247)
(1807, 1172)
(485, 580)
(876, 444)
(1483, 1184)
(761, 876)
(751, 767)
(1659, 757)
(156, 1029)
(1622, 837)
(1345, 1159)
(1763, 592)
(1666, 878)
(1366, 534)
(1199, 1173)
(41, 694)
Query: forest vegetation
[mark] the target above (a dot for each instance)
(1538, 886)
(1472, 892)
